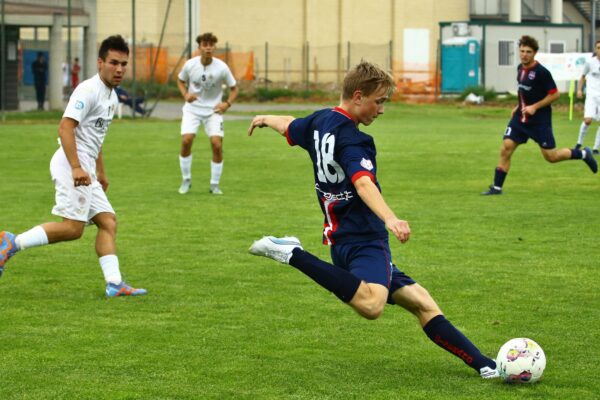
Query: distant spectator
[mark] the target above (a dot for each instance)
(125, 98)
(65, 71)
(39, 68)
(75, 69)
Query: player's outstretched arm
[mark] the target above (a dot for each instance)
(279, 123)
(372, 197)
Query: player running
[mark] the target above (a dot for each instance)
(356, 215)
(77, 170)
(532, 117)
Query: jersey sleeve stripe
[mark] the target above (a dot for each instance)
(552, 91)
(289, 139)
(360, 174)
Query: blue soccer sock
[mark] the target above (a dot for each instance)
(499, 177)
(576, 154)
(444, 334)
(337, 280)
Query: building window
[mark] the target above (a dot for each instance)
(556, 47)
(506, 53)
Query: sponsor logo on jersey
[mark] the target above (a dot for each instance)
(366, 164)
(345, 195)
(99, 123)
(524, 87)
(531, 75)
(79, 105)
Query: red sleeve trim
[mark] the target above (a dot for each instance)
(360, 174)
(552, 91)
(289, 139)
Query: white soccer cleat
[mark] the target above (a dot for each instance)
(185, 186)
(488, 373)
(214, 189)
(278, 249)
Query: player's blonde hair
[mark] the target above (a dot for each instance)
(368, 78)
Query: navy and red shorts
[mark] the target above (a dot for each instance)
(371, 262)
(520, 132)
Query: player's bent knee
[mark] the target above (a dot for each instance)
(370, 311)
(107, 222)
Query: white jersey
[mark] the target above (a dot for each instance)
(591, 70)
(93, 105)
(205, 82)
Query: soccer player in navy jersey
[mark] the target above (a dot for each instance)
(356, 215)
(532, 117)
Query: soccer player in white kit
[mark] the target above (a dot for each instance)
(200, 83)
(591, 78)
(77, 170)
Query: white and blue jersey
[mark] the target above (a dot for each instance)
(340, 154)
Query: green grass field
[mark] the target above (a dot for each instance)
(218, 323)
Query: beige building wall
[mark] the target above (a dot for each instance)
(327, 25)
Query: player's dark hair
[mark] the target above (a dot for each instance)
(207, 37)
(368, 78)
(529, 41)
(115, 43)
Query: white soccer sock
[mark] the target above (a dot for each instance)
(582, 131)
(216, 169)
(597, 141)
(185, 163)
(34, 237)
(110, 268)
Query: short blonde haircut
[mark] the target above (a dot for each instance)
(368, 78)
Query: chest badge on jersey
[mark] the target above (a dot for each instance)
(531, 75)
(366, 164)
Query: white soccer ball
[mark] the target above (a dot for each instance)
(521, 360)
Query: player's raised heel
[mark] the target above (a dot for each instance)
(8, 248)
(278, 249)
(492, 191)
(123, 289)
(186, 184)
(489, 373)
(590, 160)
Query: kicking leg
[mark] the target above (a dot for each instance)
(419, 302)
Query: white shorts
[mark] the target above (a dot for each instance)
(213, 124)
(592, 108)
(78, 203)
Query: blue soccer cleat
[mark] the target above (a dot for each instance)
(123, 289)
(8, 248)
(492, 191)
(589, 160)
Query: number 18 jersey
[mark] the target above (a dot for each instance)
(340, 154)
